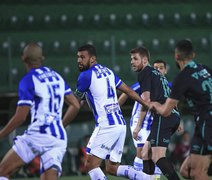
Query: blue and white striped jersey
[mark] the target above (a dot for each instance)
(137, 109)
(44, 89)
(99, 85)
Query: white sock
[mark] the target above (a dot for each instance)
(96, 174)
(3, 178)
(138, 164)
(129, 172)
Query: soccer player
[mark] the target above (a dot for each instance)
(194, 82)
(160, 65)
(98, 83)
(154, 87)
(41, 91)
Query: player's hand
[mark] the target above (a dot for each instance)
(153, 106)
(135, 133)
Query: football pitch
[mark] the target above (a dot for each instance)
(83, 178)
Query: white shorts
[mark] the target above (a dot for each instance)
(108, 142)
(142, 135)
(50, 149)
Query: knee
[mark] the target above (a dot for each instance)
(185, 173)
(111, 169)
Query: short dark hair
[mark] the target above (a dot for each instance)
(143, 51)
(185, 48)
(160, 61)
(88, 47)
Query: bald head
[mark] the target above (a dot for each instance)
(33, 54)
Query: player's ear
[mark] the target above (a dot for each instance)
(93, 59)
(145, 60)
(177, 56)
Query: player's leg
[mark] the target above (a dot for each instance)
(149, 166)
(199, 166)
(114, 168)
(139, 143)
(50, 174)
(51, 159)
(10, 163)
(126, 171)
(186, 168)
(92, 162)
(159, 137)
(138, 161)
(159, 157)
(97, 150)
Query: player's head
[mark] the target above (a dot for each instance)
(86, 57)
(139, 58)
(32, 55)
(184, 50)
(160, 65)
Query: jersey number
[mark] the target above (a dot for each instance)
(207, 85)
(55, 99)
(110, 91)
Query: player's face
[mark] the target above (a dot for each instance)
(83, 60)
(136, 62)
(160, 67)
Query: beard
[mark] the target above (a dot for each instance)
(82, 68)
(134, 69)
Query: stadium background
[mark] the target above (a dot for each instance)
(114, 27)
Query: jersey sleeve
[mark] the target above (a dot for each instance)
(144, 79)
(118, 81)
(67, 89)
(83, 83)
(26, 91)
(136, 87)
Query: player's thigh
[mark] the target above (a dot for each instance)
(10, 163)
(185, 167)
(53, 156)
(158, 152)
(200, 163)
(118, 146)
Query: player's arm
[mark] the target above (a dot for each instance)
(145, 96)
(19, 117)
(166, 108)
(122, 99)
(73, 109)
(133, 95)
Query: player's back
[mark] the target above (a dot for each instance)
(102, 96)
(46, 90)
(196, 81)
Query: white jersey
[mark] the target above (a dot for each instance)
(137, 109)
(43, 89)
(99, 85)
(146, 124)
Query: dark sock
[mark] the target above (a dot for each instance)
(149, 167)
(167, 169)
